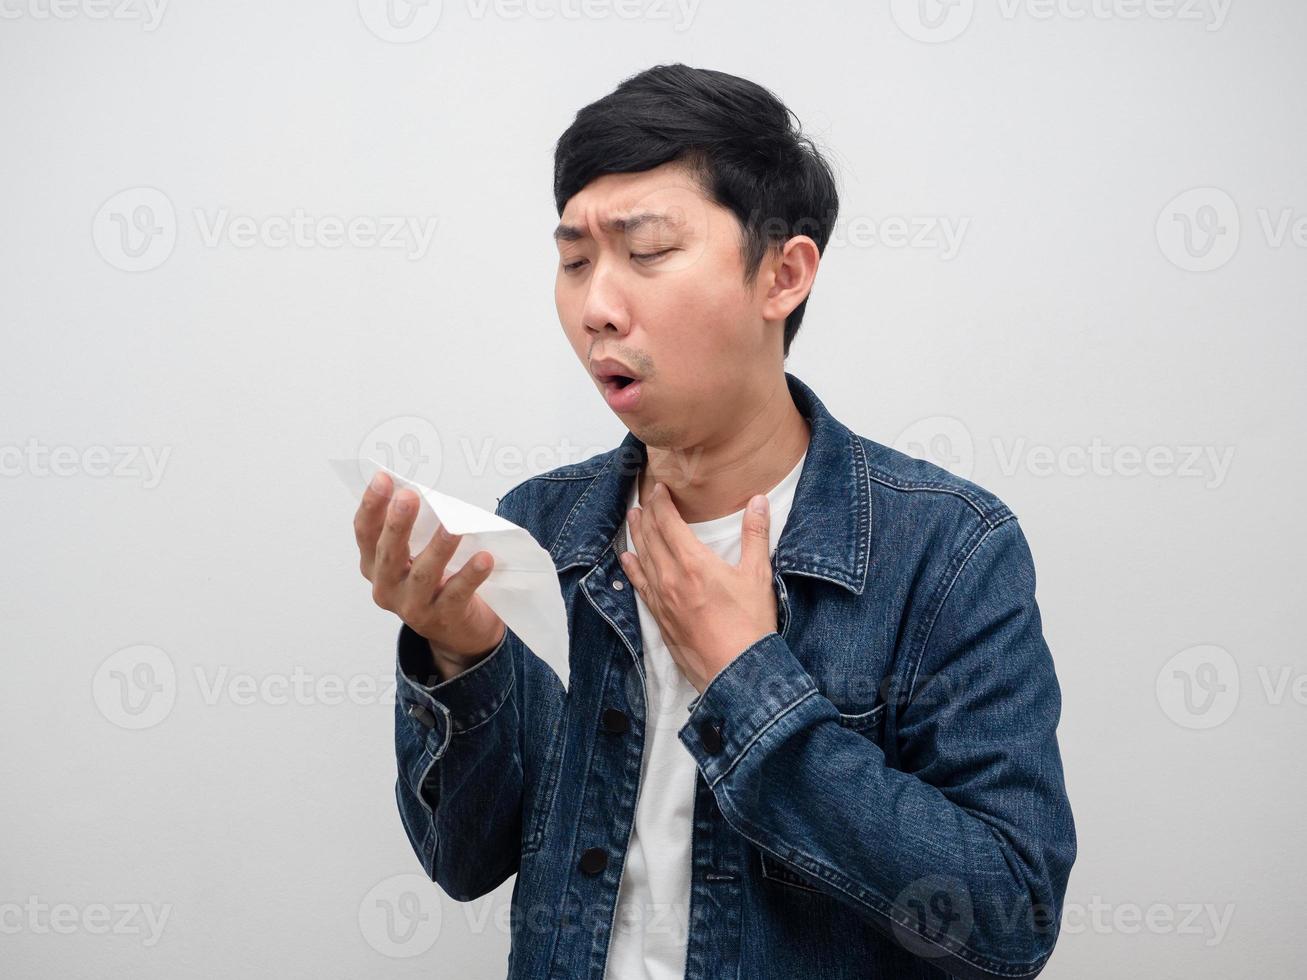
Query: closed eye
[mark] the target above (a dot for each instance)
(573, 266)
(652, 255)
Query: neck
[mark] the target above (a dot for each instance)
(718, 477)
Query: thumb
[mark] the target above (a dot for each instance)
(755, 534)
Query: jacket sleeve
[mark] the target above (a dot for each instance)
(961, 852)
(468, 752)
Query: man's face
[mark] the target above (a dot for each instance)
(650, 274)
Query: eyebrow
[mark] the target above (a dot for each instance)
(571, 233)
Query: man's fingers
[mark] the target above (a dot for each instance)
(392, 556)
(369, 518)
(755, 536)
(428, 568)
(653, 538)
(635, 522)
(458, 590)
(634, 571)
(676, 536)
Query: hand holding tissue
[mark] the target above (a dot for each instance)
(522, 588)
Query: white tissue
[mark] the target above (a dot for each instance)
(523, 586)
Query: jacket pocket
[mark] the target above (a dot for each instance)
(774, 869)
(868, 723)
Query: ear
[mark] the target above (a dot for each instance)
(793, 271)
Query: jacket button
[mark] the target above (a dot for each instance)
(711, 736)
(614, 721)
(594, 860)
(417, 711)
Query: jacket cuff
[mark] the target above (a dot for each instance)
(439, 711)
(741, 702)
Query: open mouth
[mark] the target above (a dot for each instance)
(622, 392)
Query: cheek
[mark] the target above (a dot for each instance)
(709, 295)
(721, 292)
(710, 318)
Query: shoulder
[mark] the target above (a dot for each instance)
(561, 480)
(921, 509)
(541, 503)
(895, 477)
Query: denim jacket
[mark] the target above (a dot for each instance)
(879, 789)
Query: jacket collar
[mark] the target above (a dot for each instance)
(827, 534)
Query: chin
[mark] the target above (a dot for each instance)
(656, 436)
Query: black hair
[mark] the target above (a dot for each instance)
(738, 139)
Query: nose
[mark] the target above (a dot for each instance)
(605, 311)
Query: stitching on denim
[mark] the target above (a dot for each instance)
(428, 846)
(449, 730)
(508, 693)
(766, 727)
(433, 690)
(934, 487)
(408, 827)
(944, 592)
(588, 770)
(552, 771)
(562, 474)
(975, 500)
(840, 881)
(865, 517)
(422, 778)
(753, 832)
(777, 866)
(856, 722)
(740, 656)
(563, 477)
(571, 516)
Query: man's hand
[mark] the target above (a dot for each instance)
(708, 610)
(456, 622)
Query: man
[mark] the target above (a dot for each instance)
(810, 728)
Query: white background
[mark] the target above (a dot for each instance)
(1073, 314)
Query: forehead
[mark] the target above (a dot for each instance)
(666, 197)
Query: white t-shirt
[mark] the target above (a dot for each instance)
(651, 930)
